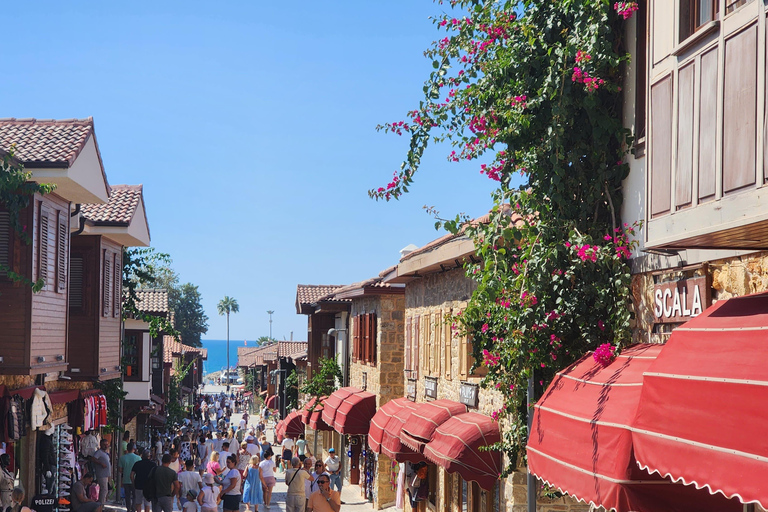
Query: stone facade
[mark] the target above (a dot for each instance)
(385, 379)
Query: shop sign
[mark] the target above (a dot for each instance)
(43, 503)
(678, 301)
(430, 387)
(410, 390)
(468, 394)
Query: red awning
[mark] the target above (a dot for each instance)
(353, 417)
(425, 419)
(65, 396)
(456, 446)
(312, 415)
(25, 393)
(90, 392)
(379, 422)
(391, 445)
(702, 413)
(291, 426)
(581, 442)
(333, 402)
(247, 393)
(270, 403)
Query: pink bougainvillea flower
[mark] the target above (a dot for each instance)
(604, 354)
(484, 328)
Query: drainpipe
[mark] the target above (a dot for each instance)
(80, 229)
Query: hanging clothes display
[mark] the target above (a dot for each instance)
(42, 409)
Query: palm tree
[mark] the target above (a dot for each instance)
(226, 306)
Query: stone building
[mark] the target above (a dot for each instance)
(375, 366)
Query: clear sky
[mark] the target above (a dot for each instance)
(251, 125)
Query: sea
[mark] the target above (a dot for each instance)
(217, 354)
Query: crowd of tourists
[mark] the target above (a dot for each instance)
(210, 465)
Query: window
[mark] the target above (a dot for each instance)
(467, 359)
(696, 13)
(107, 285)
(412, 346)
(732, 5)
(641, 71)
(117, 288)
(364, 338)
(61, 253)
(76, 268)
(6, 248)
(42, 247)
(132, 355)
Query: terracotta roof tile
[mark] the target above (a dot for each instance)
(289, 348)
(45, 141)
(515, 218)
(312, 293)
(122, 205)
(152, 300)
(374, 282)
(171, 347)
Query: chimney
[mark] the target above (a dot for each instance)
(408, 249)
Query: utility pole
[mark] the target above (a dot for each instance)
(270, 323)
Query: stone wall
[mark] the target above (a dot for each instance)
(385, 380)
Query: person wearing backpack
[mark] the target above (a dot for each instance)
(296, 499)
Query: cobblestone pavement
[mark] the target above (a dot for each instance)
(350, 494)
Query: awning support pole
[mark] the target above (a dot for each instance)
(531, 481)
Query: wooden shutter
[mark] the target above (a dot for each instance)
(42, 247)
(5, 242)
(373, 337)
(416, 344)
(356, 339)
(76, 282)
(61, 254)
(107, 284)
(408, 345)
(118, 277)
(447, 339)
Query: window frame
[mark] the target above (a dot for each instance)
(138, 356)
(106, 283)
(689, 16)
(43, 239)
(6, 251)
(62, 244)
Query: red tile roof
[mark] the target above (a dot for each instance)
(312, 293)
(152, 300)
(249, 356)
(289, 348)
(119, 210)
(171, 347)
(51, 142)
(515, 218)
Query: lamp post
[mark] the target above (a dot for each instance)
(269, 312)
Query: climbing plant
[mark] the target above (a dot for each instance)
(16, 191)
(531, 92)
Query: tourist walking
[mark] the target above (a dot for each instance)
(213, 467)
(296, 499)
(139, 474)
(103, 466)
(166, 485)
(324, 499)
(333, 466)
(268, 467)
(125, 464)
(209, 495)
(243, 458)
(231, 486)
(191, 484)
(253, 489)
(287, 454)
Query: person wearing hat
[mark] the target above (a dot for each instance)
(333, 466)
(208, 498)
(251, 445)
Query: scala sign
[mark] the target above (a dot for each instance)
(678, 301)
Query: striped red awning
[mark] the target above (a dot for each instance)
(391, 445)
(332, 403)
(291, 427)
(312, 415)
(581, 440)
(702, 413)
(353, 416)
(270, 403)
(423, 422)
(380, 420)
(458, 446)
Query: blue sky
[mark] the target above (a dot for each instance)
(252, 127)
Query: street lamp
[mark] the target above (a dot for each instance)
(269, 312)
